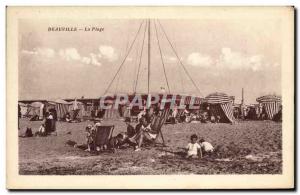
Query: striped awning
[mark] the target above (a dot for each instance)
(271, 108)
(269, 98)
(217, 98)
(192, 99)
(225, 111)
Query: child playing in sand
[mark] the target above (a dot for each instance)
(206, 146)
(193, 148)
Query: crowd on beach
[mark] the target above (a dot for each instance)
(141, 134)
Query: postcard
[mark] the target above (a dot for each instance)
(173, 97)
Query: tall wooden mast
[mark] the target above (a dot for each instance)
(149, 55)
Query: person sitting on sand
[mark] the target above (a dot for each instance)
(193, 148)
(41, 131)
(28, 133)
(68, 117)
(206, 147)
(144, 133)
(116, 142)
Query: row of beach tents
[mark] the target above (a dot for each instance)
(62, 107)
(220, 104)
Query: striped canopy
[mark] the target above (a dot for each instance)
(196, 100)
(221, 105)
(269, 98)
(217, 98)
(271, 104)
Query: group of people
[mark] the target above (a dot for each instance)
(253, 113)
(190, 117)
(134, 136)
(48, 125)
(198, 150)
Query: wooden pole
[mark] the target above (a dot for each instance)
(149, 54)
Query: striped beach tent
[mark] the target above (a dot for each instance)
(61, 107)
(271, 104)
(221, 105)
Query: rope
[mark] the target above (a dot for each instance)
(120, 75)
(141, 55)
(124, 58)
(135, 66)
(162, 59)
(179, 59)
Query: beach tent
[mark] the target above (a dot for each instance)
(271, 104)
(221, 105)
(111, 112)
(76, 109)
(24, 109)
(35, 108)
(61, 107)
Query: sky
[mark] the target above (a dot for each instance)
(220, 56)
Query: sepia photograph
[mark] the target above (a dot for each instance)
(151, 93)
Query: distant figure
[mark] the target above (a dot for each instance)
(51, 121)
(90, 133)
(28, 132)
(193, 148)
(236, 113)
(48, 123)
(212, 119)
(174, 115)
(130, 129)
(218, 118)
(54, 113)
(41, 131)
(204, 117)
(68, 117)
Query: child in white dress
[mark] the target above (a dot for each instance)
(193, 148)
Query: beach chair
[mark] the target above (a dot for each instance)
(157, 123)
(102, 136)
